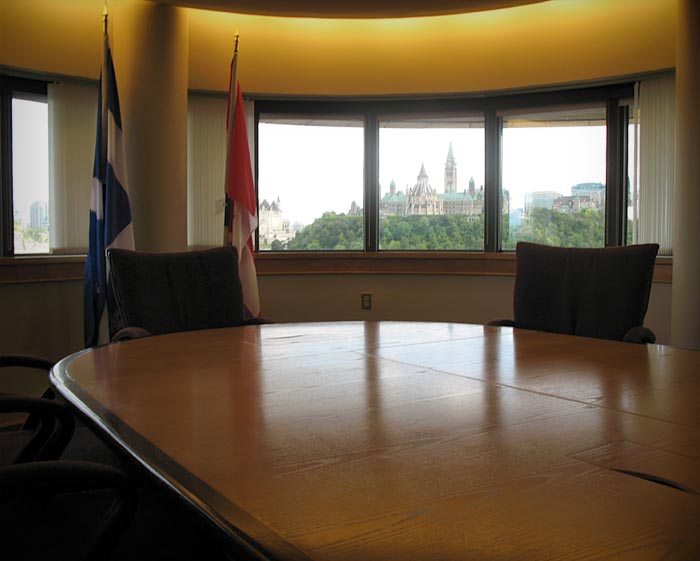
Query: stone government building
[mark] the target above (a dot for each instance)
(423, 199)
(272, 225)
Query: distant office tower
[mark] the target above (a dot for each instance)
(39, 215)
(540, 199)
(595, 191)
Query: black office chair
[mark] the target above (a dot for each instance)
(601, 293)
(50, 508)
(158, 293)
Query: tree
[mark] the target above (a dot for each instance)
(330, 232)
(449, 232)
(277, 245)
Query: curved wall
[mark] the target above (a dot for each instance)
(558, 41)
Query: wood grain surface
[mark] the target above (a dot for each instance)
(412, 441)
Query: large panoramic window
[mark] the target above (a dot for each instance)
(431, 183)
(310, 183)
(553, 177)
(454, 174)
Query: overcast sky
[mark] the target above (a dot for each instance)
(30, 155)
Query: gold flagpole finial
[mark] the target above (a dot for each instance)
(104, 15)
(235, 48)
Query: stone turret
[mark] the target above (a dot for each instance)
(422, 198)
(450, 172)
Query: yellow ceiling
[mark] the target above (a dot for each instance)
(552, 42)
(536, 44)
(349, 8)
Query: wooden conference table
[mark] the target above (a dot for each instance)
(411, 441)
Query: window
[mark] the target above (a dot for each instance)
(553, 177)
(431, 183)
(47, 148)
(30, 174)
(464, 174)
(24, 212)
(310, 183)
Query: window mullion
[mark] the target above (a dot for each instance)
(6, 207)
(371, 182)
(492, 188)
(256, 123)
(615, 175)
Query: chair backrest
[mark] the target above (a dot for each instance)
(169, 292)
(580, 291)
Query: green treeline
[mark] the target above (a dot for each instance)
(448, 232)
(550, 227)
(330, 232)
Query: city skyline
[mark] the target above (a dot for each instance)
(534, 159)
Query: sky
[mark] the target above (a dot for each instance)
(313, 169)
(30, 155)
(323, 163)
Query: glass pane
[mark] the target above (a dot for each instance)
(310, 183)
(553, 177)
(30, 175)
(431, 178)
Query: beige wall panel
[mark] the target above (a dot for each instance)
(459, 298)
(46, 319)
(686, 263)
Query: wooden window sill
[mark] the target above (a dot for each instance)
(44, 268)
(406, 263)
(72, 268)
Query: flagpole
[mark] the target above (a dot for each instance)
(103, 83)
(232, 94)
(240, 187)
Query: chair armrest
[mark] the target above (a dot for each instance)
(57, 477)
(501, 323)
(32, 362)
(640, 335)
(47, 443)
(25, 361)
(131, 332)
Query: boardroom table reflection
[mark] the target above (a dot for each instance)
(410, 440)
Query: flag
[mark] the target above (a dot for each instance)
(110, 211)
(240, 191)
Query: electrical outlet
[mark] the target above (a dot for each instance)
(366, 301)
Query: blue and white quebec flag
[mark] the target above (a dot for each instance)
(110, 211)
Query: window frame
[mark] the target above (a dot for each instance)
(375, 109)
(53, 268)
(11, 86)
